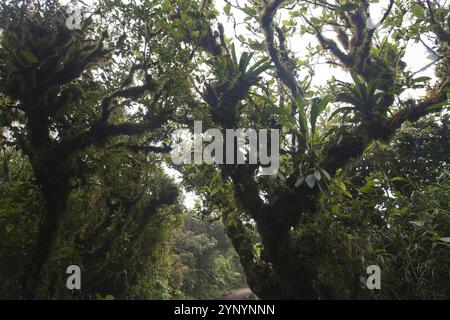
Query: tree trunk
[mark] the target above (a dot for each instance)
(280, 274)
(55, 189)
(258, 273)
(295, 275)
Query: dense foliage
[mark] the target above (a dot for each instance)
(86, 116)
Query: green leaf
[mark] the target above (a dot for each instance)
(438, 105)
(13, 42)
(344, 190)
(317, 175)
(316, 109)
(299, 181)
(259, 67)
(418, 11)
(418, 223)
(234, 61)
(445, 239)
(421, 79)
(284, 117)
(315, 21)
(399, 179)
(347, 98)
(166, 6)
(109, 297)
(355, 77)
(310, 180)
(227, 9)
(326, 174)
(343, 109)
(29, 56)
(244, 61)
(368, 188)
(258, 248)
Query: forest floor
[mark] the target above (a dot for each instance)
(239, 294)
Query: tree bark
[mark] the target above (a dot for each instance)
(55, 189)
(258, 273)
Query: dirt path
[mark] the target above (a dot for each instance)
(239, 294)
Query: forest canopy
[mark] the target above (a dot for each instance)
(356, 93)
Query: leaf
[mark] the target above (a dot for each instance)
(344, 190)
(316, 109)
(315, 21)
(215, 191)
(258, 248)
(399, 179)
(303, 122)
(326, 174)
(343, 109)
(281, 176)
(421, 79)
(317, 175)
(372, 86)
(166, 6)
(310, 180)
(445, 239)
(438, 105)
(367, 189)
(227, 9)
(244, 61)
(287, 22)
(418, 11)
(299, 181)
(355, 77)
(284, 117)
(258, 68)
(13, 42)
(418, 223)
(234, 61)
(29, 56)
(109, 297)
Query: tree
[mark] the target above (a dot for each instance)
(373, 109)
(212, 267)
(396, 215)
(71, 96)
(65, 92)
(117, 226)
